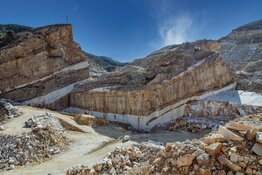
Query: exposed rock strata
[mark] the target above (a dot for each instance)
(207, 74)
(39, 61)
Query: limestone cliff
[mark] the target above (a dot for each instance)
(38, 61)
(159, 80)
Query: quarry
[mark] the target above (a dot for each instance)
(191, 108)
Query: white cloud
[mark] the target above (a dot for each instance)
(175, 25)
(176, 30)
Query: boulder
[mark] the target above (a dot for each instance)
(2, 128)
(214, 138)
(214, 149)
(257, 148)
(203, 159)
(259, 137)
(185, 160)
(237, 126)
(229, 135)
(227, 163)
(221, 172)
(204, 172)
(235, 157)
(126, 138)
(251, 134)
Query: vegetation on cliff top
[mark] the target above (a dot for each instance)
(4, 29)
(106, 62)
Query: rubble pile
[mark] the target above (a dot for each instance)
(7, 110)
(219, 108)
(89, 120)
(235, 148)
(210, 114)
(195, 124)
(44, 121)
(46, 138)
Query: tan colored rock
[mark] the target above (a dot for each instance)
(221, 172)
(185, 160)
(259, 137)
(242, 164)
(2, 128)
(233, 149)
(257, 148)
(234, 157)
(246, 159)
(30, 66)
(227, 163)
(204, 172)
(68, 172)
(237, 126)
(239, 173)
(145, 99)
(251, 134)
(92, 171)
(214, 138)
(260, 161)
(229, 135)
(249, 171)
(214, 149)
(203, 159)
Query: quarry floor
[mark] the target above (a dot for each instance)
(87, 146)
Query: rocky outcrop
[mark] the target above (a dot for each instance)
(162, 79)
(241, 50)
(39, 61)
(209, 75)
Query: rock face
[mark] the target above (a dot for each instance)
(39, 61)
(241, 50)
(156, 82)
(155, 97)
(44, 66)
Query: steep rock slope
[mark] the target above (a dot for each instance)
(152, 87)
(38, 61)
(242, 51)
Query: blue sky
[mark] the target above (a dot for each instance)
(129, 29)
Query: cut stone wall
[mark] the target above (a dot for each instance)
(210, 75)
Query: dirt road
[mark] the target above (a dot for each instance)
(86, 147)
